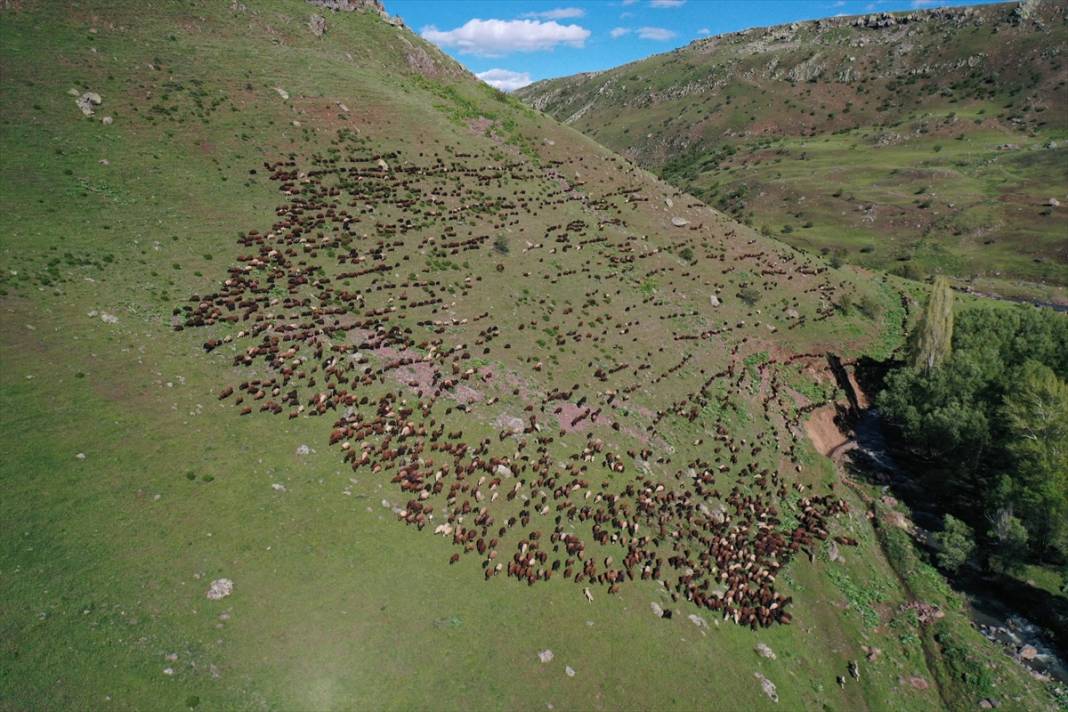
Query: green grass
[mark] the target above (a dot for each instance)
(106, 560)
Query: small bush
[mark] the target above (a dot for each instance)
(956, 544)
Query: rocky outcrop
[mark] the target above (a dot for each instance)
(351, 5)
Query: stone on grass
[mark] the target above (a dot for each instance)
(317, 24)
(764, 651)
(546, 656)
(768, 687)
(282, 92)
(570, 671)
(713, 300)
(86, 101)
(679, 222)
(220, 588)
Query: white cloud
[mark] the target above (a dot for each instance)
(666, 3)
(618, 32)
(923, 3)
(704, 31)
(559, 13)
(505, 79)
(493, 38)
(655, 33)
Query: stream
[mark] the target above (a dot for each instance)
(995, 616)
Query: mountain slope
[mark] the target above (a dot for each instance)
(432, 306)
(921, 142)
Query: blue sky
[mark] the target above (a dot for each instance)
(514, 42)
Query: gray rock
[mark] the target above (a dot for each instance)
(220, 588)
(317, 25)
(87, 101)
(768, 687)
(679, 222)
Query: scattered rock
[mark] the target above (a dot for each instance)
(698, 620)
(832, 551)
(87, 101)
(768, 686)
(546, 656)
(504, 471)
(282, 93)
(220, 588)
(80, 456)
(168, 671)
(317, 25)
(1028, 652)
(679, 222)
(713, 300)
(569, 671)
(667, 202)
(109, 318)
(764, 651)
(303, 450)
(343, 108)
(278, 487)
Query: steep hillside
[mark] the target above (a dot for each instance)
(922, 142)
(333, 378)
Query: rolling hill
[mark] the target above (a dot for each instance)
(333, 378)
(919, 143)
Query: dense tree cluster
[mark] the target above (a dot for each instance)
(987, 420)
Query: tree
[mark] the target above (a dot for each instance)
(956, 544)
(1010, 540)
(1035, 413)
(934, 342)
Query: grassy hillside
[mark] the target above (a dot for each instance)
(920, 143)
(438, 307)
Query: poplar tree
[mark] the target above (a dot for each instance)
(935, 341)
